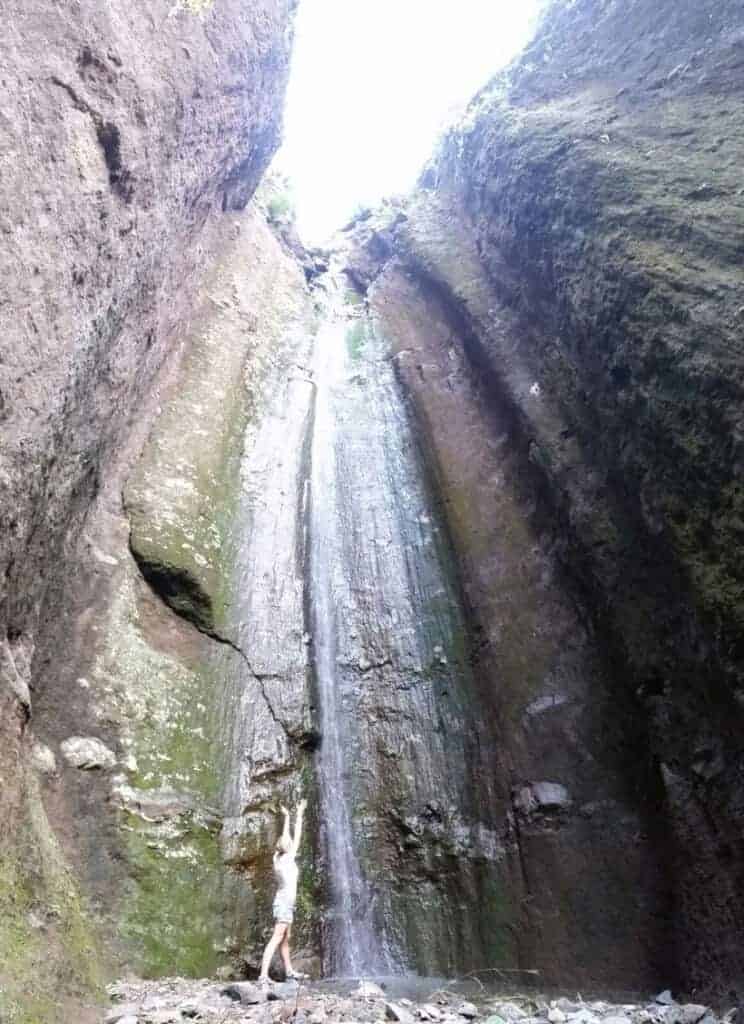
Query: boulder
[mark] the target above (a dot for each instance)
(369, 990)
(566, 1005)
(584, 1017)
(665, 998)
(282, 990)
(427, 1011)
(509, 1011)
(87, 753)
(395, 1011)
(124, 1014)
(541, 796)
(691, 1013)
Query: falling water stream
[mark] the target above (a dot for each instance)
(352, 947)
(386, 624)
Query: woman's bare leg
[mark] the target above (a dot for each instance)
(280, 932)
(284, 951)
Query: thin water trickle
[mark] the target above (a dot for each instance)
(396, 752)
(351, 946)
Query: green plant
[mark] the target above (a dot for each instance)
(280, 208)
(355, 339)
(197, 6)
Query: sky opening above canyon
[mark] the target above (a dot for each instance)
(373, 85)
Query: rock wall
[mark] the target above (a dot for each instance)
(547, 740)
(563, 297)
(132, 139)
(428, 888)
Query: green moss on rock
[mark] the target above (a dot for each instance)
(50, 954)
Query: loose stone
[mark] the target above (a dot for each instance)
(245, 992)
(395, 1011)
(87, 753)
(691, 1013)
(509, 1011)
(122, 1014)
(368, 990)
(665, 998)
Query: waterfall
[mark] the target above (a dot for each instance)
(352, 947)
(398, 750)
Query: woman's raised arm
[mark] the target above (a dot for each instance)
(298, 826)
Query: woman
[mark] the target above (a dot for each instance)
(286, 871)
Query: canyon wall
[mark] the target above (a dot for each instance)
(524, 541)
(562, 298)
(133, 137)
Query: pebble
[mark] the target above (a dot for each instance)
(556, 1016)
(468, 1010)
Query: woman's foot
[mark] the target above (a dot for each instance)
(297, 976)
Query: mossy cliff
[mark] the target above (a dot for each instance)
(565, 298)
(185, 819)
(135, 137)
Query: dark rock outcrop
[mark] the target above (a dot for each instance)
(565, 300)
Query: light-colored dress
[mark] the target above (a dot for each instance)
(286, 872)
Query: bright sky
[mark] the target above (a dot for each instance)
(373, 83)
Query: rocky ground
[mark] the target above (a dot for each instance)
(171, 1000)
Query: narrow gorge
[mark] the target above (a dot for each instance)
(439, 527)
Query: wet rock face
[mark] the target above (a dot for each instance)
(565, 300)
(401, 724)
(181, 734)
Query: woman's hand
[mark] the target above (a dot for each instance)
(284, 810)
(302, 805)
